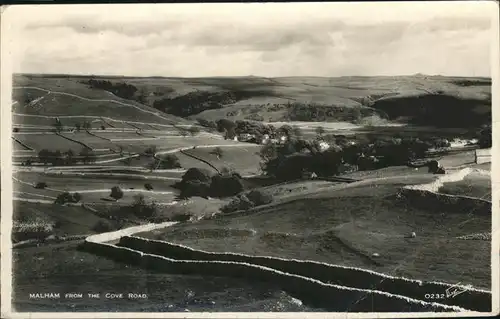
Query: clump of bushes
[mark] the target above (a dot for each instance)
(225, 185)
(259, 197)
(67, 197)
(247, 201)
(195, 188)
(148, 186)
(169, 161)
(150, 151)
(41, 185)
(142, 209)
(116, 193)
(202, 183)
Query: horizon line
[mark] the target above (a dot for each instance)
(239, 76)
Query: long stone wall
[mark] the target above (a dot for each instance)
(473, 299)
(329, 287)
(329, 297)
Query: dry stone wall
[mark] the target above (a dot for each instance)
(473, 299)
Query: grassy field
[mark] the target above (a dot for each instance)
(346, 227)
(37, 270)
(244, 160)
(474, 185)
(73, 220)
(92, 189)
(51, 142)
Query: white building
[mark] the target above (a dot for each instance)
(323, 146)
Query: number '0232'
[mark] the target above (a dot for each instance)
(435, 296)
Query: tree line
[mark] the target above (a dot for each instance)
(69, 157)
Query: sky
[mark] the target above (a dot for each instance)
(273, 39)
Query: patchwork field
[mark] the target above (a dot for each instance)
(92, 189)
(364, 223)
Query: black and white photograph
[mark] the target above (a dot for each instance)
(266, 159)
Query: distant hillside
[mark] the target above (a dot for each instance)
(52, 96)
(422, 100)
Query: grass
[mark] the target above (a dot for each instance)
(344, 227)
(61, 183)
(57, 104)
(51, 142)
(473, 185)
(243, 160)
(61, 268)
(72, 220)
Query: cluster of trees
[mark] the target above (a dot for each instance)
(292, 159)
(67, 197)
(169, 161)
(434, 109)
(485, 137)
(121, 89)
(140, 208)
(247, 201)
(58, 158)
(86, 125)
(321, 113)
(201, 182)
(195, 102)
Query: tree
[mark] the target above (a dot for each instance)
(217, 152)
(88, 156)
(87, 125)
(169, 161)
(194, 130)
(41, 185)
(69, 157)
(44, 156)
(197, 174)
(150, 151)
(356, 115)
(58, 126)
(76, 197)
(485, 137)
(297, 131)
(259, 197)
(224, 186)
(116, 193)
(286, 130)
(141, 209)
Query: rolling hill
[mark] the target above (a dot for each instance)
(417, 99)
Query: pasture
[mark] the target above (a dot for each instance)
(50, 142)
(61, 268)
(71, 220)
(244, 160)
(347, 228)
(473, 185)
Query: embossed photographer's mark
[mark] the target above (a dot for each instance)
(456, 290)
